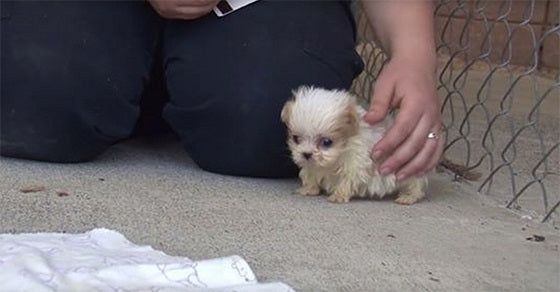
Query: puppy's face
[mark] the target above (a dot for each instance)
(319, 122)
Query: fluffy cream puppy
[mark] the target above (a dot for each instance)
(331, 144)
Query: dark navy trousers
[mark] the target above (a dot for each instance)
(75, 74)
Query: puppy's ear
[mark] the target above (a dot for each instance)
(287, 111)
(350, 118)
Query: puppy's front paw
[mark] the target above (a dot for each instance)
(408, 199)
(411, 191)
(338, 199)
(309, 191)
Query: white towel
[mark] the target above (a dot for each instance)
(104, 260)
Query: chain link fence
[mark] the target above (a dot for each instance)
(500, 96)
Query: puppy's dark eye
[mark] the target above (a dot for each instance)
(295, 138)
(325, 142)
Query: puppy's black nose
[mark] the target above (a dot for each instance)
(307, 155)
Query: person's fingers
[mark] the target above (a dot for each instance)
(191, 12)
(405, 140)
(421, 161)
(185, 10)
(435, 158)
(381, 100)
(405, 122)
(197, 3)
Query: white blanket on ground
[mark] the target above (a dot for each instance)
(104, 260)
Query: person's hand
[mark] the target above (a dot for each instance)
(183, 9)
(410, 86)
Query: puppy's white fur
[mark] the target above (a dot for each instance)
(327, 126)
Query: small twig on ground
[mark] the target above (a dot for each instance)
(32, 189)
(62, 194)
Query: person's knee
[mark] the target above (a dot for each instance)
(61, 118)
(252, 156)
(66, 96)
(57, 131)
(226, 109)
(249, 167)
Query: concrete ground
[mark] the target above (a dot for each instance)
(454, 240)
